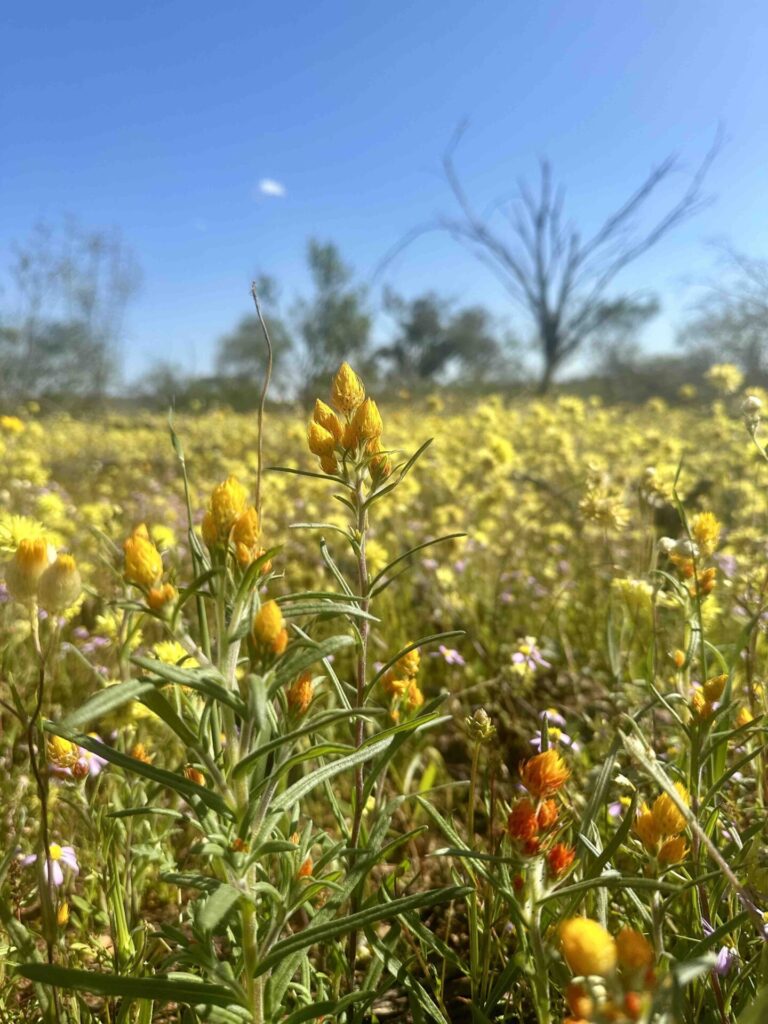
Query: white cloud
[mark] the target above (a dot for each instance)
(270, 187)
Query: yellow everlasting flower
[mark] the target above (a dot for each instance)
(63, 753)
(23, 572)
(705, 529)
(666, 815)
(645, 828)
(366, 423)
(269, 628)
(143, 564)
(60, 584)
(227, 504)
(325, 417)
(672, 850)
(347, 391)
(587, 947)
(319, 440)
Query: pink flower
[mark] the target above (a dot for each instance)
(57, 855)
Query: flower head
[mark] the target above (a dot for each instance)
(560, 858)
(543, 774)
(587, 947)
(23, 572)
(143, 564)
(667, 816)
(300, 694)
(60, 585)
(347, 391)
(269, 628)
(228, 502)
(57, 855)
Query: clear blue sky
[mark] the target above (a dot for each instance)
(162, 118)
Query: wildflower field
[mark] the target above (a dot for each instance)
(361, 727)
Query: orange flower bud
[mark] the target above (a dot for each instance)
(547, 815)
(559, 859)
(522, 823)
(300, 694)
(543, 774)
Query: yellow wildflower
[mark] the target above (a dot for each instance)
(143, 564)
(23, 572)
(347, 391)
(587, 947)
(666, 815)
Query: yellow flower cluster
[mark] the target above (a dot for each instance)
(400, 682)
(659, 827)
(37, 573)
(356, 437)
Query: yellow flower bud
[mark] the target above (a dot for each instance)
(633, 949)
(329, 465)
(23, 572)
(672, 850)
(269, 629)
(349, 436)
(209, 531)
(62, 914)
(414, 698)
(143, 564)
(409, 663)
(587, 947)
(347, 391)
(63, 753)
(705, 530)
(227, 505)
(713, 688)
(744, 716)
(60, 585)
(367, 422)
(645, 828)
(668, 818)
(325, 416)
(246, 528)
(380, 465)
(320, 441)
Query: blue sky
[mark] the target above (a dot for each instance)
(162, 118)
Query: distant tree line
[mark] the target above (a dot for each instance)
(60, 332)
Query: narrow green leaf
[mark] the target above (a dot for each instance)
(330, 930)
(159, 987)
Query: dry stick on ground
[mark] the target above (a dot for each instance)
(262, 398)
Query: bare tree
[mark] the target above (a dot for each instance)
(72, 286)
(559, 278)
(731, 317)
